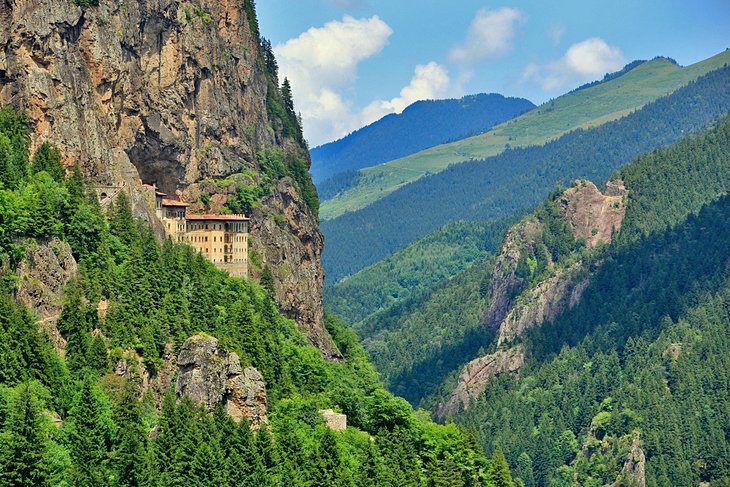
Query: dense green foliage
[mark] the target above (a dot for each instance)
(109, 431)
(644, 354)
(517, 179)
(274, 165)
(440, 255)
(421, 125)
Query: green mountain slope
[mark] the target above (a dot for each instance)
(420, 340)
(644, 355)
(517, 179)
(415, 269)
(580, 109)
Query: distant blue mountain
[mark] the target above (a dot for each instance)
(422, 125)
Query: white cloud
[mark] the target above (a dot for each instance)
(323, 61)
(556, 34)
(583, 61)
(490, 35)
(430, 81)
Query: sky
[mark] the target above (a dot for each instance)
(350, 62)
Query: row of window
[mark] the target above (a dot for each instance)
(218, 250)
(229, 227)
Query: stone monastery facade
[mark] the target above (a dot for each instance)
(222, 239)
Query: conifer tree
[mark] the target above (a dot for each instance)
(401, 461)
(23, 446)
(371, 469)
(48, 158)
(327, 467)
(87, 443)
(499, 473)
(129, 459)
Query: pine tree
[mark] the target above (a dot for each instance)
(129, 459)
(24, 444)
(499, 474)
(327, 467)
(87, 443)
(98, 356)
(48, 158)
(267, 280)
(287, 96)
(524, 470)
(401, 461)
(121, 223)
(371, 469)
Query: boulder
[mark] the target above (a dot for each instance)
(212, 376)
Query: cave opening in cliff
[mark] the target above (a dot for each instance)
(157, 163)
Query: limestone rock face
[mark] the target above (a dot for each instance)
(594, 216)
(504, 283)
(475, 376)
(212, 376)
(543, 303)
(43, 273)
(633, 472)
(292, 248)
(165, 91)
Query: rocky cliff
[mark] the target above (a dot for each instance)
(168, 92)
(212, 377)
(476, 375)
(516, 306)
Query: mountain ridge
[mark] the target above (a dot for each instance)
(423, 124)
(584, 108)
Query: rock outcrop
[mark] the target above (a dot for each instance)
(165, 91)
(515, 308)
(594, 216)
(212, 376)
(505, 283)
(476, 375)
(42, 275)
(542, 303)
(292, 247)
(633, 473)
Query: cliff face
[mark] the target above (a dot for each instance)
(514, 310)
(163, 91)
(212, 376)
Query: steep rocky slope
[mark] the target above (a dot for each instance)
(166, 92)
(520, 302)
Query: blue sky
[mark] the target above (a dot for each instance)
(353, 61)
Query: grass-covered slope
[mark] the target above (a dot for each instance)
(517, 179)
(421, 125)
(583, 108)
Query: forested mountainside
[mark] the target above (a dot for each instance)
(420, 340)
(614, 97)
(517, 179)
(607, 362)
(128, 362)
(421, 125)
